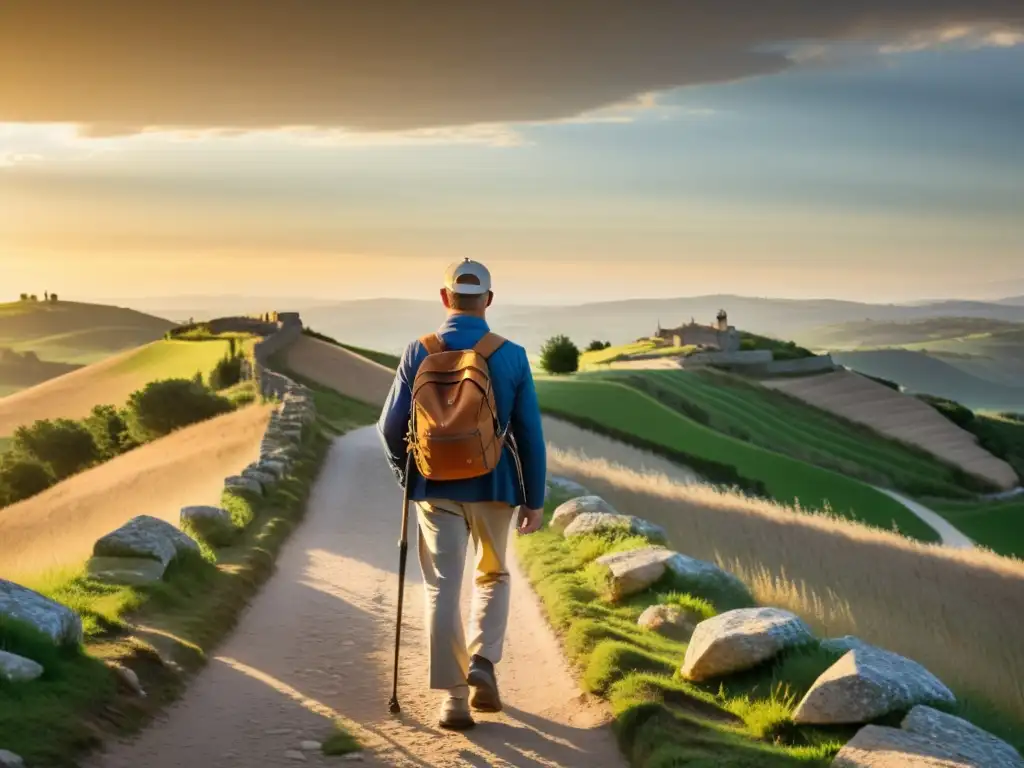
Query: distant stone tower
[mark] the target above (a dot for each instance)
(723, 320)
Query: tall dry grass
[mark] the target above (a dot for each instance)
(957, 612)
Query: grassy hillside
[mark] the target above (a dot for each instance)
(998, 525)
(874, 333)
(74, 332)
(628, 411)
(108, 382)
(920, 372)
(782, 424)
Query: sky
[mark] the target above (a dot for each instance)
(586, 150)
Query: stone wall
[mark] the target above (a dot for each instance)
(287, 330)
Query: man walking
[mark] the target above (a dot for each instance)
(464, 399)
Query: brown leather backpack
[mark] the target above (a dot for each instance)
(454, 432)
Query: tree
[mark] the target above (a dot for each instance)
(33, 297)
(164, 406)
(109, 431)
(560, 355)
(64, 446)
(23, 297)
(22, 477)
(227, 372)
(597, 345)
(53, 298)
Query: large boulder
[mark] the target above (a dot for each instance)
(737, 640)
(145, 536)
(244, 484)
(56, 621)
(10, 760)
(566, 513)
(671, 621)
(700, 573)
(967, 740)
(134, 571)
(867, 683)
(17, 669)
(634, 571)
(876, 746)
(600, 522)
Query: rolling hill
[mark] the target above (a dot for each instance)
(923, 372)
(42, 340)
(398, 321)
(111, 381)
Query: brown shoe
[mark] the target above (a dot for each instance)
(483, 686)
(455, 715)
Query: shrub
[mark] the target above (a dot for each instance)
(22, 477)
(227, 372)
(64, 446)
(597, 345)
(109, 429)
(560, 355)
(164, 406)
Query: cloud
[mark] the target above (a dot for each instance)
(394, 66)
(958, 36)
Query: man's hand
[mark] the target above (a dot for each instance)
(529, 520)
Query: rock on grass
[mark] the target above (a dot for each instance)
(876, 746)
(671, 621)
(867, 683)
(145, 536)
(633, 571)
(10, 760)
(133, 571)
(56, 621)
(566, 513)
(17, 669)
(741, 639)
(601, 522)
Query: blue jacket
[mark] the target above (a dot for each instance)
(516, 399)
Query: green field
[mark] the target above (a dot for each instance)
(778, 423)
(786, 480)
(998, 525)
(172, 360)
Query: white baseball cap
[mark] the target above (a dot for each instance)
(469, 278)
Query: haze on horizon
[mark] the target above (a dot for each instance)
(606, 150)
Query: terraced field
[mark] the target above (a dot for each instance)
(627, 411)
(774, 421)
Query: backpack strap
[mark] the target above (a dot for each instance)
(488, 345)
(433, 343)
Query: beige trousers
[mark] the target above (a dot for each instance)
(445, 529)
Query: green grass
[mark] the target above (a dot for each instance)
(77, 702)
(784, 479)
(611, 354)
(998, 525)
(660, 719)
(340, 742)
(782, 424)
(173, 359)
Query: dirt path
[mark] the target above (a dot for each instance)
(58, 527)
(950, 536)
(316, 644)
